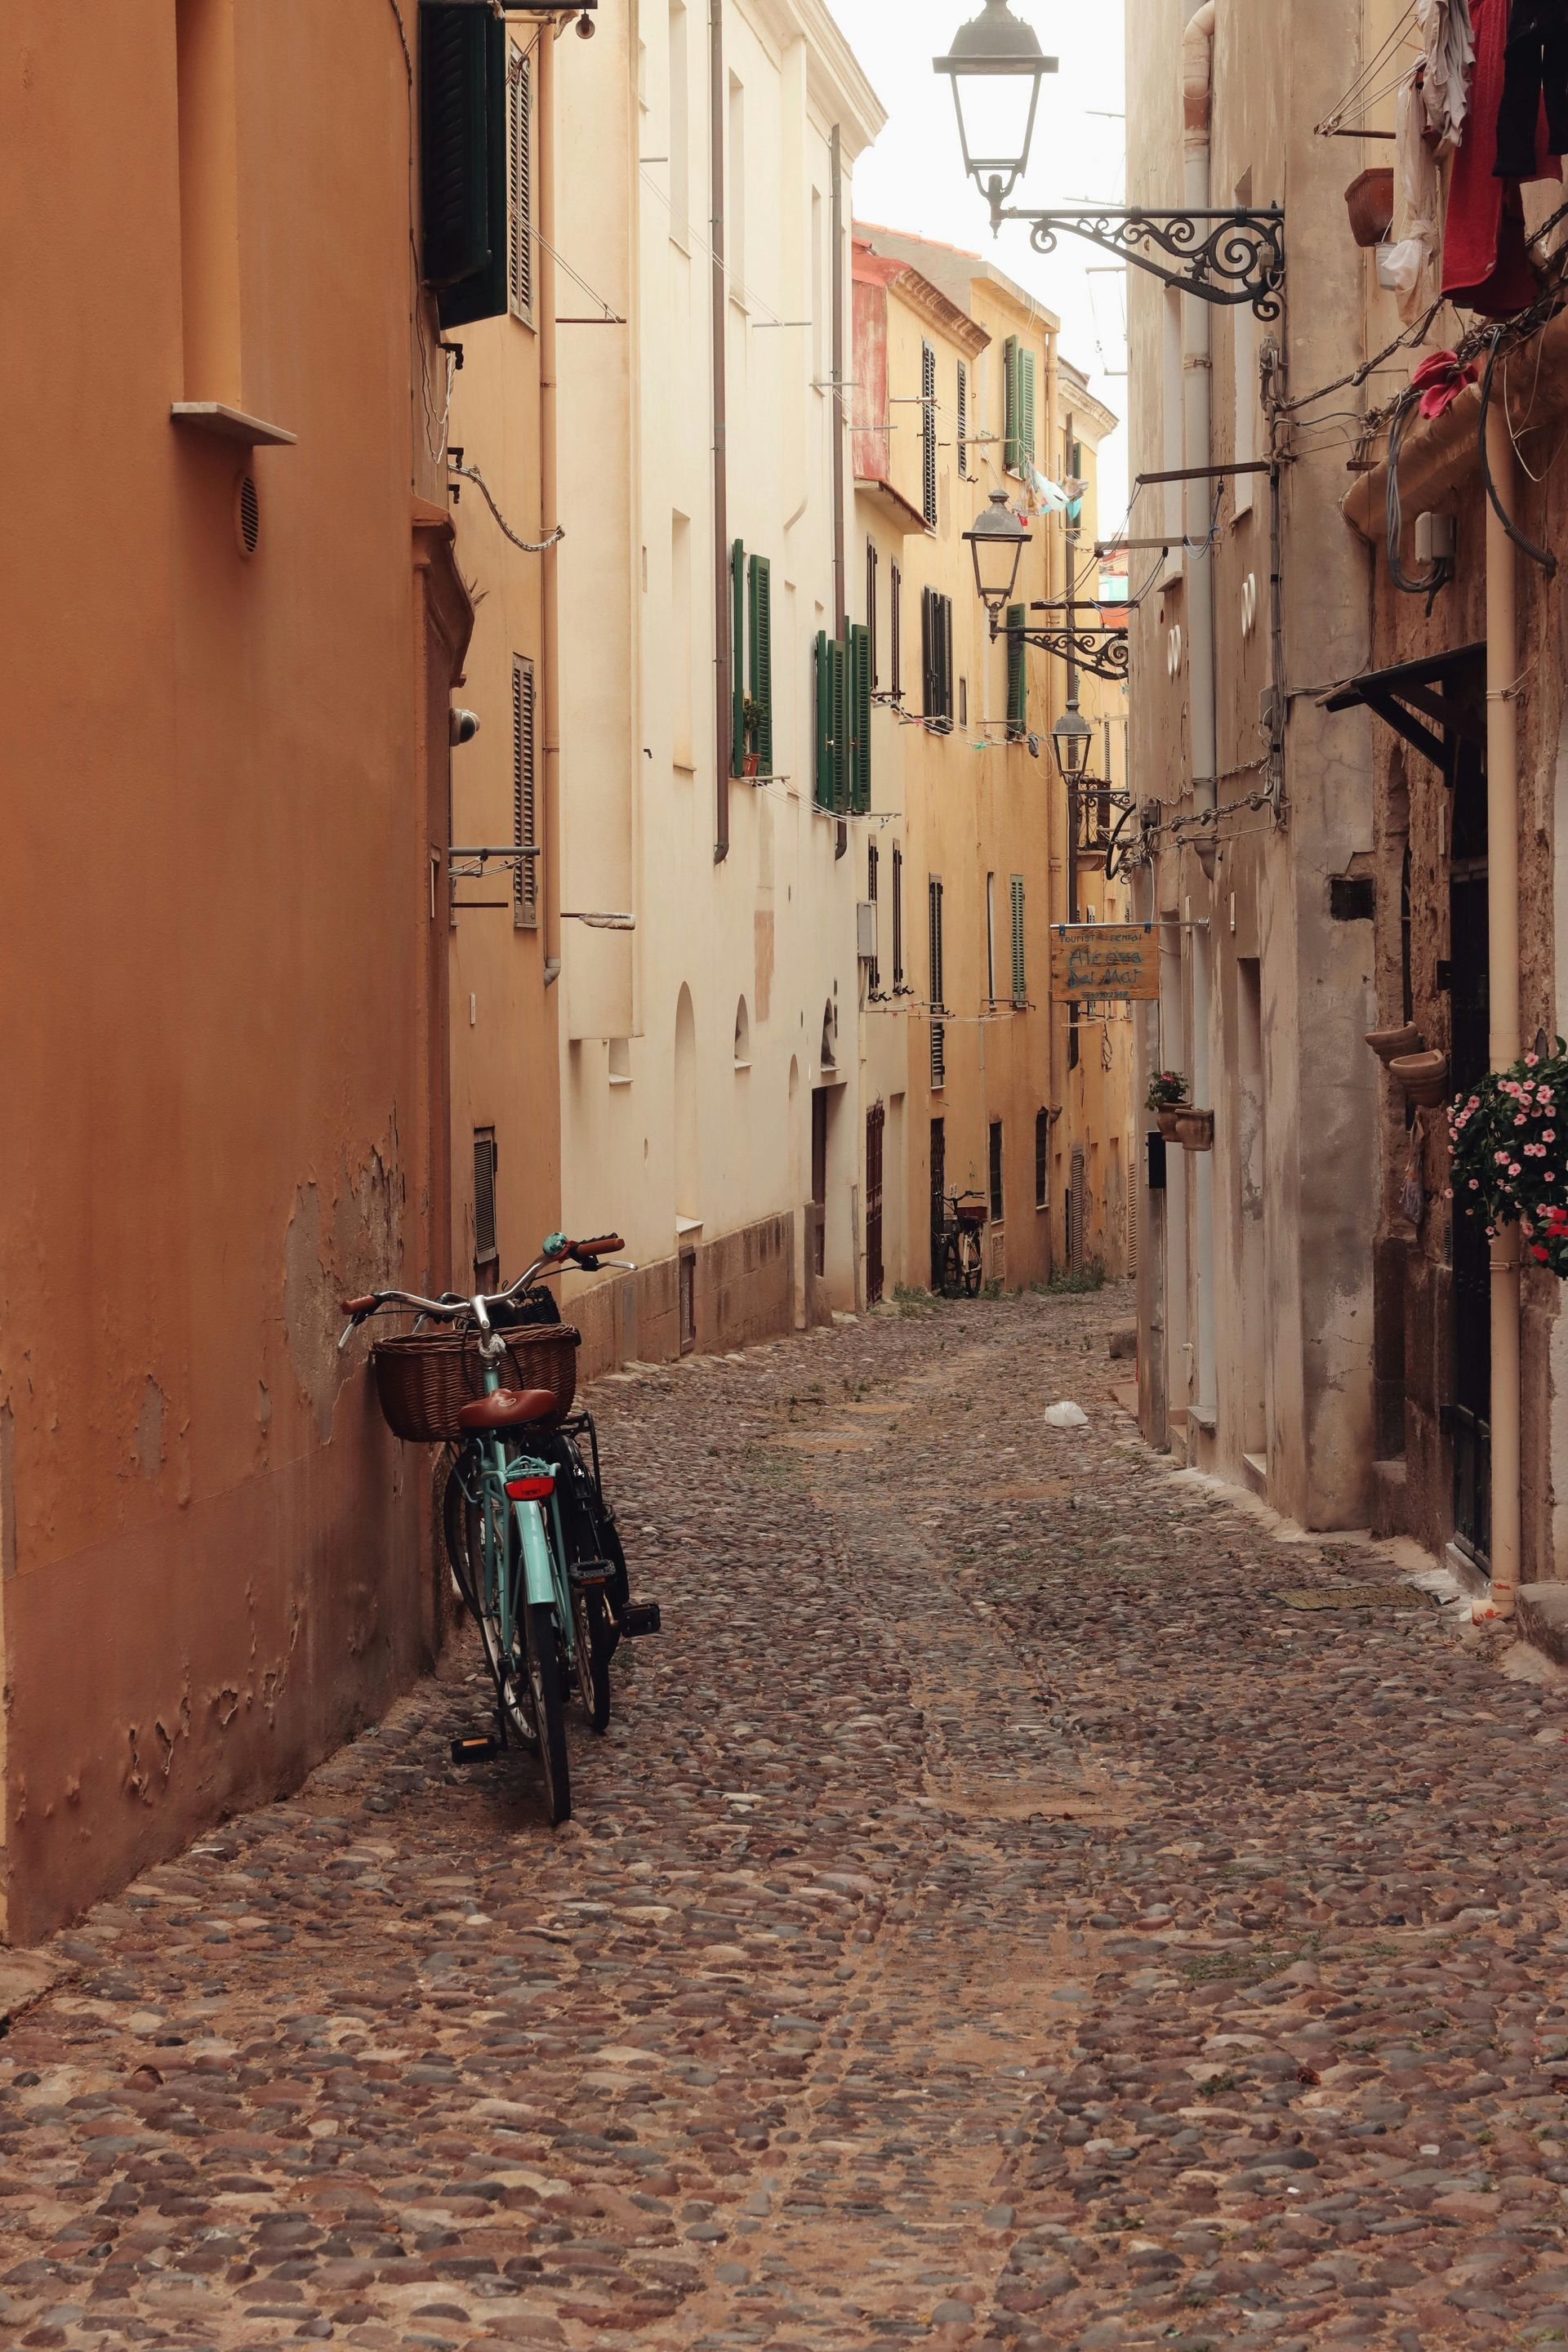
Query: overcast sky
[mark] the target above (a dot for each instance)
(913, 178)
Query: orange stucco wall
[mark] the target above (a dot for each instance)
(221, 1093)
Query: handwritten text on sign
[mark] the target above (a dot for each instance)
(1114, 959)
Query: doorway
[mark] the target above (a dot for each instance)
(876, 1124)
(1468, 1412)
(938, 1197)
(819, 1181)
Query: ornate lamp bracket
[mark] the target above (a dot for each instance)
(1105, 652)
(1220, 257)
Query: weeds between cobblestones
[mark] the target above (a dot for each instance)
(991, 1922)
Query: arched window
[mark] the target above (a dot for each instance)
(742, 1036)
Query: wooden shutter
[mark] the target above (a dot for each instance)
(762, 658)
(1020, 977)
(1017, 672)
(963, 421)
(824, 774)
(524, 802)
(938, 701)
(928, 431)
(898, 916)
(838, 652)
(895, 616)
(860, 719)
(520, 172)
(871, 561)
(738, 658)
(485, 1243)
(1010, 403)
(928, 687)
(873, 863)
(933, 898)
(463, 160)
(1042, 1158)
(1026, 408)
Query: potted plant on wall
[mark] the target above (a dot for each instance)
(751, 720)
(1167, 1093)
(1510, 1160)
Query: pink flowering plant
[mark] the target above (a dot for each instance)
(1167, 1090)
(1510, 1154)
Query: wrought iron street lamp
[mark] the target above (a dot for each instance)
(997, 65)
(1070, 739)
(996, 541)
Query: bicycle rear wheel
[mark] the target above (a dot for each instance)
(594, 1643)
(974, 1265)
(462, 1521)
(544, 1681)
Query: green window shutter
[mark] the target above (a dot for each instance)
(1020, 985)
(463, 161)
(761, 573)
(1010, 403)
(1018, 674)
(861, 730)
(824, 778)
(1026, 407)
(738, 659)
(839, 655)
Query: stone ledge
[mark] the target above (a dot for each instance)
(1541, 1611)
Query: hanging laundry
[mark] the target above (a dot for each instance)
(1440, 379)
(1449, 51)
(1046, 497)
(1409, 263)
(1485, 265)
(1535, 80)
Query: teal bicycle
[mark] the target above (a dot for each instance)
(531, 1543)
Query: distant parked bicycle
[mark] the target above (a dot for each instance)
(531, 1541)
(958, 1261)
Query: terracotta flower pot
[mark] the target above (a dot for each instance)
(1165, 1120)
(1368, 200)
(1424, 1076)
(1194, 1130)
(1389, 1044)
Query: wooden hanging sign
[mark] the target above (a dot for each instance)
(1121, 961)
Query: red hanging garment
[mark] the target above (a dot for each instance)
(1485, 267)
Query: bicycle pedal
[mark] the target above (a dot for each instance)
(593, 1573)
(479, 1748)
(640, 1617)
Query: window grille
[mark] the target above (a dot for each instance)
(928, 432)
(897, 917)
(485, 1243)
(963, 421)
(519, 175)
(997, 1210)
(1020, 977)
(1042, 1160)
(525, 882)
(934, 896)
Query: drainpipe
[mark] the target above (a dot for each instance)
(549, 508)
(725, 651)
(835, 412)
(1197, 379)
(1502, 920)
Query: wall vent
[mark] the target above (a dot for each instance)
(248, 515)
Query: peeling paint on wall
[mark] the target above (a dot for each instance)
(361, 1252)
(149, 1429)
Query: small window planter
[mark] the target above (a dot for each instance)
(1368, 200)
(1424, 1076)
(1195, 1128)
(1392, 1045)
(1167, 1093)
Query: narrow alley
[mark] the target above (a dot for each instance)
(996, 1918)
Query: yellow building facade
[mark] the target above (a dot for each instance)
(973, 1081)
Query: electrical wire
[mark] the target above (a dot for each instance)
(1442, 569)
(1540, 555)
(528, 546)
(1377, 63)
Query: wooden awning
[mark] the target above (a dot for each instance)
(1432, 703)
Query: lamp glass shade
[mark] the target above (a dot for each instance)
(996, 66)
(1070, 739)
(996, 541)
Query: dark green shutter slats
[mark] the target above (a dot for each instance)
(761, 650)
(860, 720)
(1018, 674)
(463, 153)
(1027, 406)
(928, 433)
(1020, 989)
(737, 659)
(1010, 403)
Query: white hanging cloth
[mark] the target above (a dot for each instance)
(1409, 263)
(1448, 45)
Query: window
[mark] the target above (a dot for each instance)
(933, 898)
(990, 939)
(897, 917)
(1018, 674)
(524, 799)
(750, 661)
(997, 1211)
(1042, 1160)
(1019, 438)
(486, 1247)
(895, 626)
(1020, 978)
(464, 251)
(964, 702)
(938, 1056)
(963, 422)
(844, 720)
(859, 719)
(871, 610)
(519, 175)
(873, 863)
(928, 434)
(936, 655)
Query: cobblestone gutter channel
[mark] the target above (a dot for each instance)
(992, 1921)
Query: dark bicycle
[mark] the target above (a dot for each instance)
(961, 1262)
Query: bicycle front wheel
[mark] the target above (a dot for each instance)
(545, 1684)
(593, 1642)
(972, 1267)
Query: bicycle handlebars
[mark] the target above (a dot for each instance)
(591, 1258)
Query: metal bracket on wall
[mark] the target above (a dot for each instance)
(1106, 652)
(470, 866)
(1219, 256)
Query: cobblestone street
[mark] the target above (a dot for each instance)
(993, 1919)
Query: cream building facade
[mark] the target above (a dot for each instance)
(973, 1080)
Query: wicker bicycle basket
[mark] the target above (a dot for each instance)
(970, 1213)
(425, 1377)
